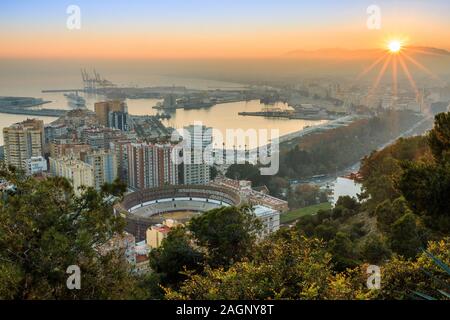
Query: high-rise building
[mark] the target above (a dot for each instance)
(77, 171)
(22, 141)
(66, 147)
(100, 138)
(103, 109)
(120, 150)
(35, 165)
(54, 131)
(151, 165)
(196, 169)
(104, 164)
(118, 120)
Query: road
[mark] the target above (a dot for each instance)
(355, 167)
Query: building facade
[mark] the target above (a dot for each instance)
(77, 171)
(35, 165)
(22, 141)
(196, 158)
(54, 131)
(119, 120)
(155, 234)
(104, 164)
(103, 109)
(120, 150)
(269, 218)
(67, 148)
(150, 165)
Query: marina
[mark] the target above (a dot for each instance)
(215, 106)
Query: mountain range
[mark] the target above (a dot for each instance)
(352, 54)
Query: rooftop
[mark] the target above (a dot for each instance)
(161, 228)
(261, 211)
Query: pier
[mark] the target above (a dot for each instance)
(26, 106)
(33, 112)
(62, 90)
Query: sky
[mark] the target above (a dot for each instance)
(180, 29)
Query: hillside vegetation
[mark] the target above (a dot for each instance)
(404, 208)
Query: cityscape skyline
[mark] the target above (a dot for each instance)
(222, 150)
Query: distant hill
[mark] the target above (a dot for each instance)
(350, 54)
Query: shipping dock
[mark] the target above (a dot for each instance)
(26, 105)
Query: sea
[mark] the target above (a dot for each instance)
(29, 81)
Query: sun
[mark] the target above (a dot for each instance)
(394, 46)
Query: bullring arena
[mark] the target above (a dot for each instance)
(152, 206)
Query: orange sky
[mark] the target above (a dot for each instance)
(271, 39)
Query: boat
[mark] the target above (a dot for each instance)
(75, 101)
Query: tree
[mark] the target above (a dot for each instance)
(401, 277)
(246, 171)
(304, 195)
(228, 234)
(426, 188)
(288, 267)
(213, 172)
(426, 184)
(387, 213)
(10, 280)
(175, 256)
(280, 270)
(343, 252)
(348, 202)
(382, 169)
(439, 136)
(404, 237)
(277, 186)
(327, 151)
(325, 231)
(45, 228)
(374, 250)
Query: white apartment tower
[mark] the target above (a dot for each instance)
(196, 169)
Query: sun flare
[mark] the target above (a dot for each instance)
(394, 46)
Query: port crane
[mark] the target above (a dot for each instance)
(93, 82)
